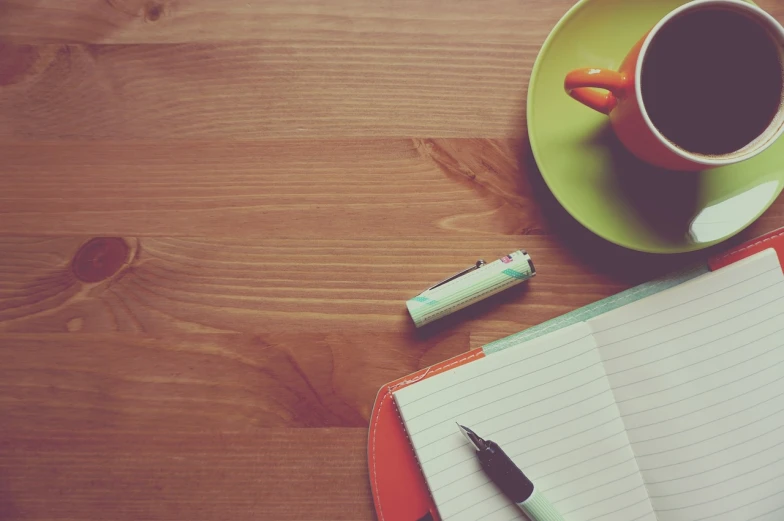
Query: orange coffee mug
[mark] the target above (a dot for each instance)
(671, 124)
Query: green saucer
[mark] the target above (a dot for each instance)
(603, 186)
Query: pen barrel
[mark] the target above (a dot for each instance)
(538, 508)
(470, 288)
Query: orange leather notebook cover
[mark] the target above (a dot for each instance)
(399, 489)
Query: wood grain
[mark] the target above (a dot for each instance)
(170, 21)
(181, 285)
(303, 188)
(254, 90)
(211, 215)
(198, 383)
(283, 474)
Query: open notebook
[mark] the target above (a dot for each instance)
(670, 409)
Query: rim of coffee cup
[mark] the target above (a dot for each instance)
(766, 138)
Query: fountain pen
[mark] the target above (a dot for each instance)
(513, 483)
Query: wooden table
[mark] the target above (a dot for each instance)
(212, 213)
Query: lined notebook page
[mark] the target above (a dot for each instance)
(698, 375)
(549, 405)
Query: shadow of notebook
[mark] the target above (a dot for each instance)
(668, 409)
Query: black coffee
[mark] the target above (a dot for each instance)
(712, 81)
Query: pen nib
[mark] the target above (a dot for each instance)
(471, 436)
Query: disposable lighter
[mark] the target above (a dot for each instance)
(470, 286)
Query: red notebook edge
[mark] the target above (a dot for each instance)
(774, 239)
(398, 486)
(399, 489)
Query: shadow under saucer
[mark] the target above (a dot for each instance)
(667, 202)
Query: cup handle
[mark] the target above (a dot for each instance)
(580, 85)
